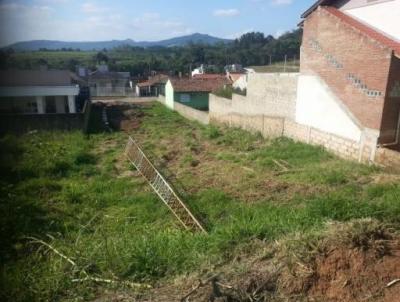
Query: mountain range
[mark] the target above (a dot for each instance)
(99, 45)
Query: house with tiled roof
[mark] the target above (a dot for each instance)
(193, 92)
(103, 82)
(153, 86)
(349, 82)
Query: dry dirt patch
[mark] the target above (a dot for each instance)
(350, 275)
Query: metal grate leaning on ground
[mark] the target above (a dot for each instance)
(161, 187)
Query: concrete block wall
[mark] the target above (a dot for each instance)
(192, 114)
(388, 158)
(161, 99)
(188, 112)
(222, 111)
(273, 94)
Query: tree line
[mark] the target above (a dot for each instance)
(250, 49)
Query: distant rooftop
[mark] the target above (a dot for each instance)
(199, 85)
(208, 76)
(17, 78)
(106, 75)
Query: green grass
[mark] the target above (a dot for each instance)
(291, 66)
(69, 190)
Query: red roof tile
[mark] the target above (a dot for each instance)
(199, 85)
(209, 76)
(157, 79)
(365, 29)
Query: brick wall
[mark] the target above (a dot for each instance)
(353, 65)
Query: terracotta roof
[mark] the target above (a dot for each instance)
(157, 79)
(17, 78)
(365, 29)
(144, 84)
(209, 76)
(199, 85)
(235, 76)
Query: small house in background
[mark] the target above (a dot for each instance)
(198, 70)
(103, 82)
(192, 92)
(38, 91)
(154, 86)
(234, 68)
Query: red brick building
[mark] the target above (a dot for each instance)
(350, 70)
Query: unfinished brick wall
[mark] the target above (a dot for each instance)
(354, 66)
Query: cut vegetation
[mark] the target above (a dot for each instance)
(286, 221)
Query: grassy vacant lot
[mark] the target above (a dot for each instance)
(291, 66)
(80, 196)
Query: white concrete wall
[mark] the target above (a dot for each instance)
(318, 107)
(272, 94)
(241, 83)
(384, 16)
(169, 95)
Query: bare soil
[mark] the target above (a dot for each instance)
(350, 275)
(344, 274)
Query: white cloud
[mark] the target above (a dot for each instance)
(281, 2)
(226, 12)
(91, 8)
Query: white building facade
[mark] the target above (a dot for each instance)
(37, 92)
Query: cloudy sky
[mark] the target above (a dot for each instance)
(95, 20)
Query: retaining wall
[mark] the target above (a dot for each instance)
(189, 112)
(388, 158)
(224, 111)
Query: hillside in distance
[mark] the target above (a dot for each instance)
(99, 45)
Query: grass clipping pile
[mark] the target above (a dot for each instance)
(357, 261)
